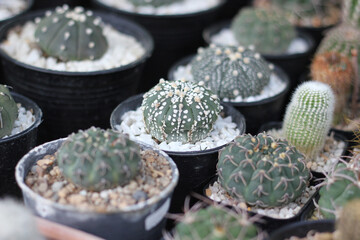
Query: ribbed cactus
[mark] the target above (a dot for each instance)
(348, 224)
(351, 12)
(154, 3)
(180, 111)
(262, 171)
(69, 35)
(231, 71)
(267, 29)
(8, 111)
(308, 117)
(98, 159)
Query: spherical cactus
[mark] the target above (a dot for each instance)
(8, 111)
(70, 35)
(96, 159)
(267, 29)
(351, 12)
(262, 171)
(231, 71)
(308, 117)
(348, 224)
(180, 111)
(154, 3)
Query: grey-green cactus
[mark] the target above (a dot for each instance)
(98, 159)
(180, 111)
(351, 12)
(267, 29)
(69, 34)
(309, 116)
(8, 111)
(231, 71)
(262, 171)
(154, 3)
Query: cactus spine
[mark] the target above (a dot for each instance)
(8, 111)
(348, 224)
(154, 3)
(351, 12)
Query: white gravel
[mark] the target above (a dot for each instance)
(9, 8)
(25, 119)
(224, 131)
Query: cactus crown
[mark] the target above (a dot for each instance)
(69, 34)
(351, 12)
(98, 159)
(231, 71)
(262, 171)
(348, 224)
(180, 111)
(154, 3)
(8, 111)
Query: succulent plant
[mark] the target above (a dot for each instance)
(8, 111)
(180, 111)
(231, 71)
(155, 3)
(267, 29)
(308, 117)
(348, 224)
(59, 33)
(98, 159)
(262, 171)
(351, 12)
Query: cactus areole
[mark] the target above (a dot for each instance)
(8, 111)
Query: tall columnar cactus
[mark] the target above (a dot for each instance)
(98, 159)
(308, 117)
(231, 71)
(180, 111)
(348, 224)
(8, 111)
(267, 29)
(69, 35)
(351, 12)
(154, 3)
(262, 171)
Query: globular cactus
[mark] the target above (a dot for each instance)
(180, 111)
(308, 117)
(262, 171)
(231, 71)
(98, 159)
(71, 34)
(348, 224)
(351, 12)
(154, 3)
(8, 111)
(267, 29)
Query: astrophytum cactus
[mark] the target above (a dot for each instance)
(8, 111)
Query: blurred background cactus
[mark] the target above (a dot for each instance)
(155, 3)
(348, 224)
(8, 111)
(351, 12)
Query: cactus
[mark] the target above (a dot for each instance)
(308, 117)
(351, 12)
(71, 35)
(267, 29)
(180, 111)
(154, 3)
(96, 159)
(231, 71)
(262, 171)
(348, 224)
(8, 111)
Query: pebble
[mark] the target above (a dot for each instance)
(139, 195)
(9, 8)
(57, 186)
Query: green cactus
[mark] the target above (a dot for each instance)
(351, 12)
(309, 116)
(348, 224)
(154, 3)
(267, 29)
(180, 111)
(8, 111)
(262, 171)
(231, 71)
(71, 35)
(98, 159)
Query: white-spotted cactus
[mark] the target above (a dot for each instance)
(8, 111)
(154, 3)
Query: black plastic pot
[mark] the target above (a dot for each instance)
(14, 147)
(143, 220)
(317, 33)
(232, 7)
(42, 4)
(76, 100)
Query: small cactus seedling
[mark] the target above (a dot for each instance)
(70, 35)
(262, 171)
(98, 159)
(154, 3)
(351, 12)
(8, 111)
(180, 111)
(231, 71)
(348, 224)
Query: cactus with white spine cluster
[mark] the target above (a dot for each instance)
(154, 3)
(8, 111)
(231, 71)
(71, 34)
(351, 12)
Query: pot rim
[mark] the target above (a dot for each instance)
(30, 4)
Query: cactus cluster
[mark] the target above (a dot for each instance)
(71, 34)
(348, 224)
(98, 159)
(154, 3)
(8, 111)
(351, 12)
(262, 171)
(180, 111)
(231, 71)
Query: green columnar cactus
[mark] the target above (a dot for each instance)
(348, 224)
(262, 171)
(351, 12)
(96, 159)
(8, 111)
(308, 117)
(154, 3)
(180, 111)
(267, 29)
(69, 35)
(231, 71)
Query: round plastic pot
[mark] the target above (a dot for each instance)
(140, 221)
(76, 100)
(175, 36)
(42, 4)
(14, 147)
(232, 7)
(316, 33)
(195, 167)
